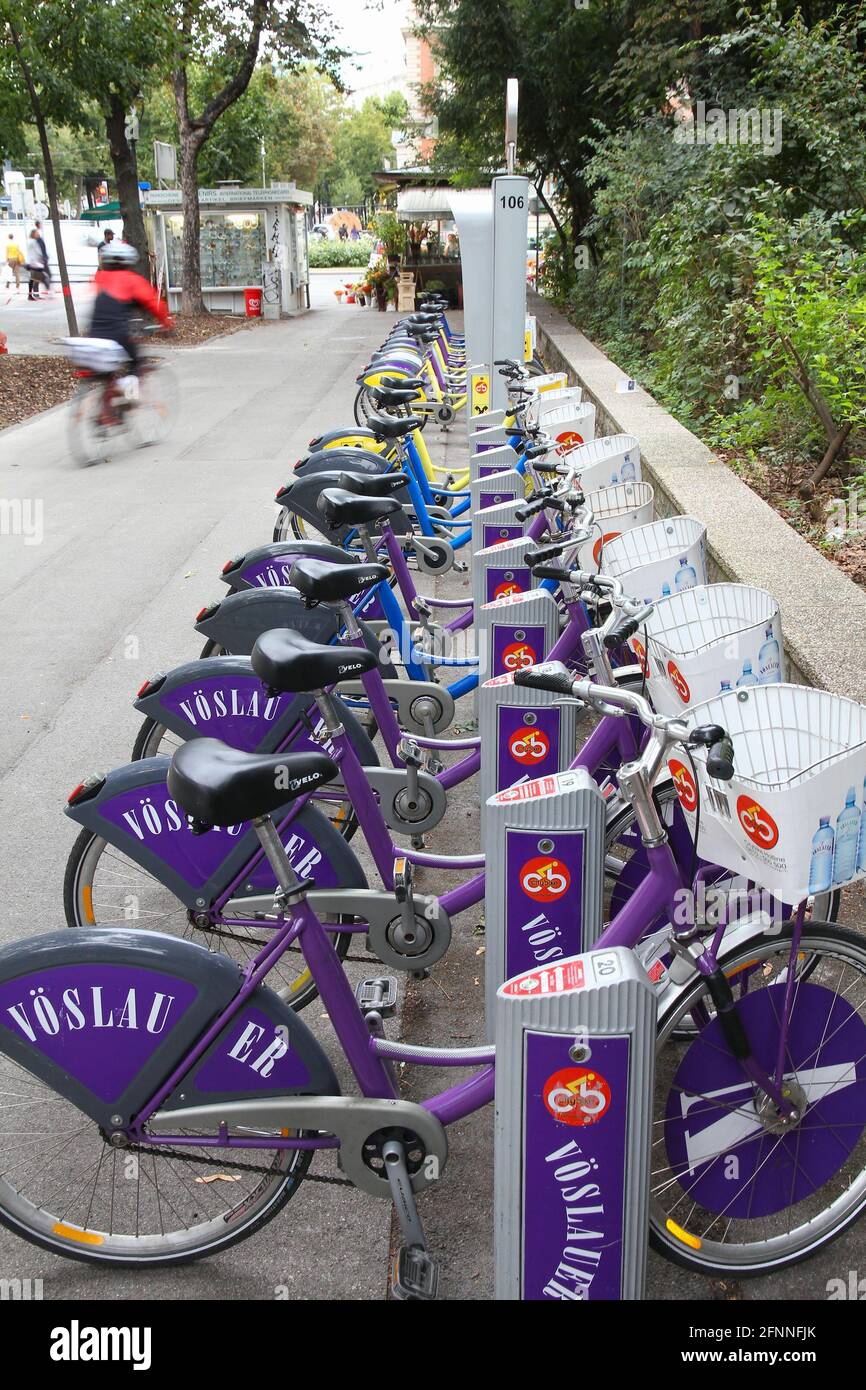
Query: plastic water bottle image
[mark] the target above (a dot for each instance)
(847, 839)
(821, 863)
(627, 473)
(666, 591)
(769, 660)
(748, 677)
(725, 685)
(685, 577)
(861, 844)
(614, 480)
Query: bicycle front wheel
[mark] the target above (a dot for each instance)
(735, 1191)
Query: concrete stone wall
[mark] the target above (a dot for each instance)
(823, 612)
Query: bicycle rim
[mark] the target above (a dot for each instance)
(731, 1194)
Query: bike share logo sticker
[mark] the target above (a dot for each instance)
(640, 652)
(569, 439)
(679, 682)
(757, 823)
(507, 587)
(517, 655)
(576, 1096)
(528, 746)
(601, 543)
(684, 784)
(544, 878)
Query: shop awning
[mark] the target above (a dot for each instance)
(106, 212)
(424, 204)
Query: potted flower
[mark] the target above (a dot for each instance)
(362, 290)
(381, 280)
(392, 235)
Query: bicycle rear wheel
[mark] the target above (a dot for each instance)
(89, 441)
(735, 1191)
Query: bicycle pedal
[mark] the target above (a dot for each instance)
(415, 1275)
(378, 995)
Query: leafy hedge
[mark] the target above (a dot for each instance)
(326, 254)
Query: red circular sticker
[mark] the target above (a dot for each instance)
(640, 652)
(517, 655)
(757, 823)
(679, 682)
(684, 784)
(601, 542)
(508, 586)
(528, 746)
(576, 1096)
(544, 879)
(568, 440)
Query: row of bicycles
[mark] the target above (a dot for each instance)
(164, 1096)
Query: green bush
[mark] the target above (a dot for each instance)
(326, 254)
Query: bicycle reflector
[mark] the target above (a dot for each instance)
(233, 563)
(89, 787)
(206, 612)
(151, 684)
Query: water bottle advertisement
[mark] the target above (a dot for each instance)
(740, 645)
(794, 815)
(658, 560)
(605, 462)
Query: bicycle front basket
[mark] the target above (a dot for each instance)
(793, 817)
(604, 462)
(701, 641)
(616, 509)
(662, 558)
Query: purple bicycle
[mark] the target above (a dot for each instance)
(201, 1119)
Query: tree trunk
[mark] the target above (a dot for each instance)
(191, 141)
(50, 182)
(126, 177)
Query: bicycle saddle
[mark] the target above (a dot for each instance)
(326, 583)
(389, 427)
(341, 508)
(287, 662)
(218, 785)
(392, 395)
(362, 485)
(401, 383)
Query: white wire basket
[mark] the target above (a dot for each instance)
(101, 355)
(663, 558)
(793, 818)
(569, 423)
(616, 509)
(551, 386)
(606, 462)
(705, 640)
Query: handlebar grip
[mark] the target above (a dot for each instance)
(544, 553)
(553, 677)
(720, 760)
(622, 630)
(562, 576)
(531, 509)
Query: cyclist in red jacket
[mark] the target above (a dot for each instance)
(120, 289)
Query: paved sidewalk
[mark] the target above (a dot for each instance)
(131, 552)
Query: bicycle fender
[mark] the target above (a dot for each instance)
(104, 1015)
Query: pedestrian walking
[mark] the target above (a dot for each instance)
(105, 244)
(44, 249)
(35, 261)
(14, 259)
